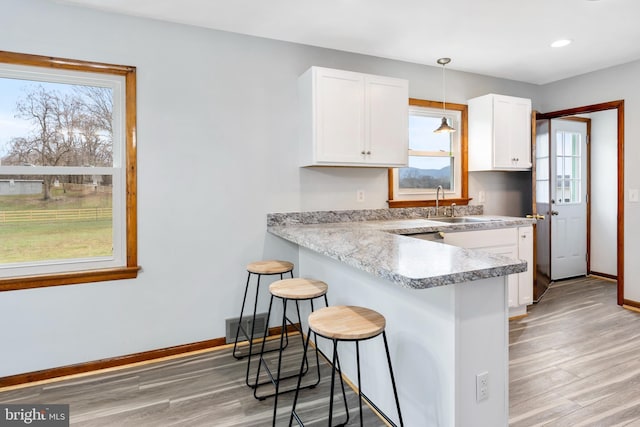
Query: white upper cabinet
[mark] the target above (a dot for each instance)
(352, 119)
(499, 133)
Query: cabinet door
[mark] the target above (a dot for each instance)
(511, 133)
(502, 129)
(340, 116)
(387, 131)
(521, 133)
(525, 253)
(512, 279)
(502, 241)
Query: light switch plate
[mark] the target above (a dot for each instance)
(633, 195)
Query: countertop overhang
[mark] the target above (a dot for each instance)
(384, 249)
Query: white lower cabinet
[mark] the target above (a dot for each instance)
(514, 243)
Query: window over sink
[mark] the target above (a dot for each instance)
(435, 159)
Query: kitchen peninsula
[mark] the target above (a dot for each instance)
(446, 306)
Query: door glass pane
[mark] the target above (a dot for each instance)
(427, 172)
(542, 145)
(542, 168)
(542, 191)
(568, 167)
(575, 191)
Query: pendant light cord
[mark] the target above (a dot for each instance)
(444, 92)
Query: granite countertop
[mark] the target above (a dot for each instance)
(381, 246)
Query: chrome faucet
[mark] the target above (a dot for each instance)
(453, 205)
(438, 197)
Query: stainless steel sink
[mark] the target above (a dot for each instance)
(459, 219)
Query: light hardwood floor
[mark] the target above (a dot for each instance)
(206, 389)
(575, 361)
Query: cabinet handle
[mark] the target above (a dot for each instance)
(368, 152)
(363, 153)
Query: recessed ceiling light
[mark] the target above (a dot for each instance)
(561, 43)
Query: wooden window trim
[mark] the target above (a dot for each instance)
(88, 276)
(464, 164)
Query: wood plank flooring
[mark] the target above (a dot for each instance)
(575, 360)
(206, 389)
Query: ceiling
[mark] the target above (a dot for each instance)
(502, 38)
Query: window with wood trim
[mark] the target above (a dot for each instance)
(67, 172)
(435, 159)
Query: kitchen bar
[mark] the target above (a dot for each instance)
(446, 307)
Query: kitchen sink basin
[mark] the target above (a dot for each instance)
(459, 220)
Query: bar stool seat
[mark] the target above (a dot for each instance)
(257, 269)
(296, 290)
(272, 266)
(348, 323)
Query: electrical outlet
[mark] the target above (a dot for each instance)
(633, 195)
(481, 197)
(360, 195)
(482, 386)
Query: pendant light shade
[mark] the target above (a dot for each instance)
(444, 126)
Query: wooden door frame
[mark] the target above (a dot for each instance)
(619, 106)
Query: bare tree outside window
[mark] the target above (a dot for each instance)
(67, 129)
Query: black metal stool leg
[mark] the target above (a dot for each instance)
(359, 381)
(306, 369)
(277, 382)
(393, 380)
(244, 300)
(295, 397)
(254, 386)
(333, 377)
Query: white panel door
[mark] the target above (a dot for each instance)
(568, 200)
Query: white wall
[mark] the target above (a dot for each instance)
(217, 150)
(604, 200)
(615, 83)
(505, 193)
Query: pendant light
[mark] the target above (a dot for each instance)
(444, 126)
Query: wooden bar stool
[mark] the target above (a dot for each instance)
(348, 323)
(259, 269)
(286, 290)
